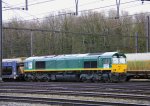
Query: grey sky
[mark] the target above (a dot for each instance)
(41, 8)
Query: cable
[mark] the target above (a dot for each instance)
(101, 7)
(9, 8)
(24, 12)
(107, 6)
(30, 2)
(13, 10)
(70, 7)
(35, 18)
(84, 10)
(98, 8)
(83, 4)
(40, 2)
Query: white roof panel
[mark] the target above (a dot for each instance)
(138, 56)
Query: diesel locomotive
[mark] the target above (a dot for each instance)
(95, 67)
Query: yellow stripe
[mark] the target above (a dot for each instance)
(78, 69)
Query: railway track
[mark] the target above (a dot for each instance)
(78, 86)
(132, 89)
(82, 93)
(62, 102)
(105, 94)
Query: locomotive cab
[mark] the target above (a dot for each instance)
(113, 66)
(119, 64)
(119, 67)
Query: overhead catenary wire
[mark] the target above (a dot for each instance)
(22, 11)
(11, 7)
(12, 10)
(36, 3)
(93, 8)
(91, 20)
(17, 5)
(86, 10)
(22, 7)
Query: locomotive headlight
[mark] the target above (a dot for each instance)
(14, 73)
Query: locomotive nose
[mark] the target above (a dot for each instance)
(119, 68)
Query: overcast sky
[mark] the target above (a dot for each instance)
(41, 8)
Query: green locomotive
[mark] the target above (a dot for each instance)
(106, 67)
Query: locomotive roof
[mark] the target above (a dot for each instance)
(75, 56)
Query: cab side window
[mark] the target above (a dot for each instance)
(28, 65)
(106, 62)
(40, 64)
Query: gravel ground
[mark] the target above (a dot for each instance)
(73, 98)
(21, 104)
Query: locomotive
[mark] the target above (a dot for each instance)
(93, 67)
(106, 67)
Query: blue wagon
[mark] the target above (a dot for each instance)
(12, 68)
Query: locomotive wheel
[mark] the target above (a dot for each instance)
(42, 77)
(106, 78)
(45, 79)
(94, 80)
(127, 79)
(29, 78)
(122, 78)
(83, 79)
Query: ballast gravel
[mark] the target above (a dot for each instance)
(116, 100)
(20, 104)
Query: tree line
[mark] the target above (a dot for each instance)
(90, 32)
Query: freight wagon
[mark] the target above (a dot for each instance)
(138, 65)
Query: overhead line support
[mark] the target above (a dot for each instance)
(1, 37)
(118, 8)
(76, 2)
(26, 4)
(148, 34)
